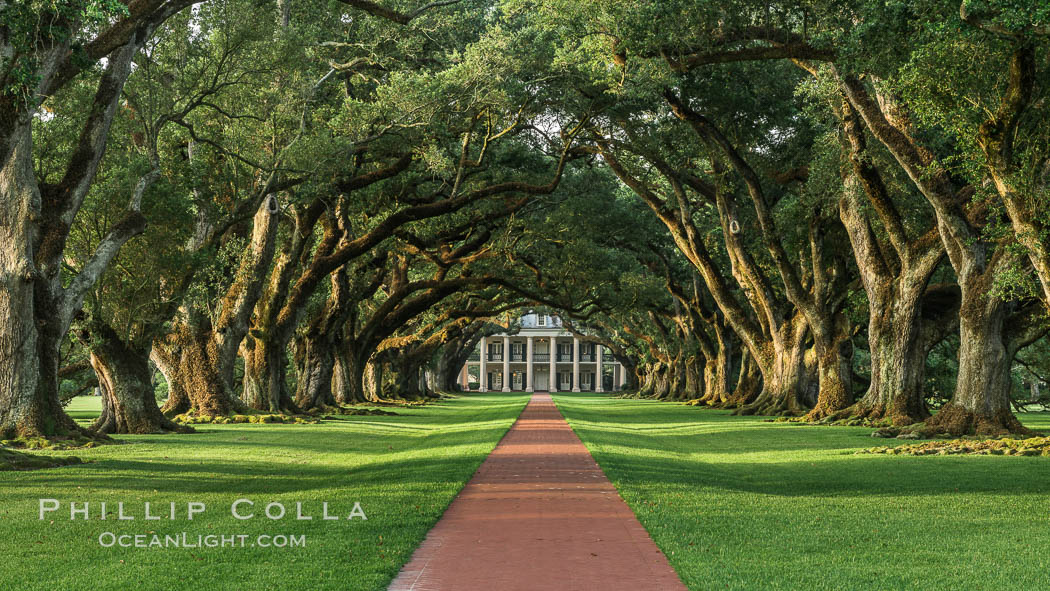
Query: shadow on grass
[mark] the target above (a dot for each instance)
(410, 451)
(665, 445)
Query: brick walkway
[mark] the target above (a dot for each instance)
(539, 515)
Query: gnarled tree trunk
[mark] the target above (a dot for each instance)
(128, 402)
(717, 370)
(748, 383)
(265, 374)
(834, 353)
(348, 377)
(981, 402)
(200, 355)
(199, 372)
(316, 367)
(782, 378)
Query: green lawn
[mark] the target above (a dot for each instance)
(404, 470)
(738, 503)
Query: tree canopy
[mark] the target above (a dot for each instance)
(834, 211)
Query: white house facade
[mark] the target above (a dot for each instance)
(541, 357)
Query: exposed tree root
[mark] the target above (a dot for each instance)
(192, 419)
(13, 460)
(84, 439)
(954, 420)
(329, 410)
(1035, 446)
(880, 415)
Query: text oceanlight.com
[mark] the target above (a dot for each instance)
(188, 540)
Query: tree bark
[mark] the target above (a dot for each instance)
(26, 410)
(717, 371)
(316, 371)
(200, 369)
(348, 378)
(783, 377)
(835, 371)
(129, 405)
(748, 383)
(200, 354)
(265, 376)
(980, 404)
(37, 302)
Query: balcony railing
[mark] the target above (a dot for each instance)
(541, 357)
(475, 356)
(586, 357)
(495, 356)
(517, 357)
(564, 358)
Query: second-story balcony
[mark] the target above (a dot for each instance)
(564, 358)
(517, 357)
(541, 357)
(475, 356)
(586, 357)
(495, 356)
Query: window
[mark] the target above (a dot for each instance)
(541, 320)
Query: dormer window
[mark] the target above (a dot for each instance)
(541, 320)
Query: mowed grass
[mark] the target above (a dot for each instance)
(738, 503)
(403, 470)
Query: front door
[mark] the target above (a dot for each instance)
(541, 382)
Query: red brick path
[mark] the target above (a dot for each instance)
(539, 515)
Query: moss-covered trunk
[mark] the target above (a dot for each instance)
(834, 354)
(898, 362)
(199, 373)
(782, 374)
(348, 377)
(717, 371)
(265, 376)
(981, 402)
(129, 404)
(315, 364)
(404, 379)
(29, 339)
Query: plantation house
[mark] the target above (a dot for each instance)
(541, 356)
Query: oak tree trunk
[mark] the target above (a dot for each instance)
(782, 377)
(199, 373)
(348, 377)
(981, 402)
(316, 365)
(835, 371)
(898, 362)
(29, 345)
(748, 384)
(128, 401)
(265, 373)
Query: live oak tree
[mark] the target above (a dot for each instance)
(182, 77)
(750, 204)
(838, 39)
(39, 301)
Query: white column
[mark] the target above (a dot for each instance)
(483, 386)
(621, 372)
(528, 365)
(552, 381)
(598, 370)
(575, 364)
(506, 364)
(464, 379)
